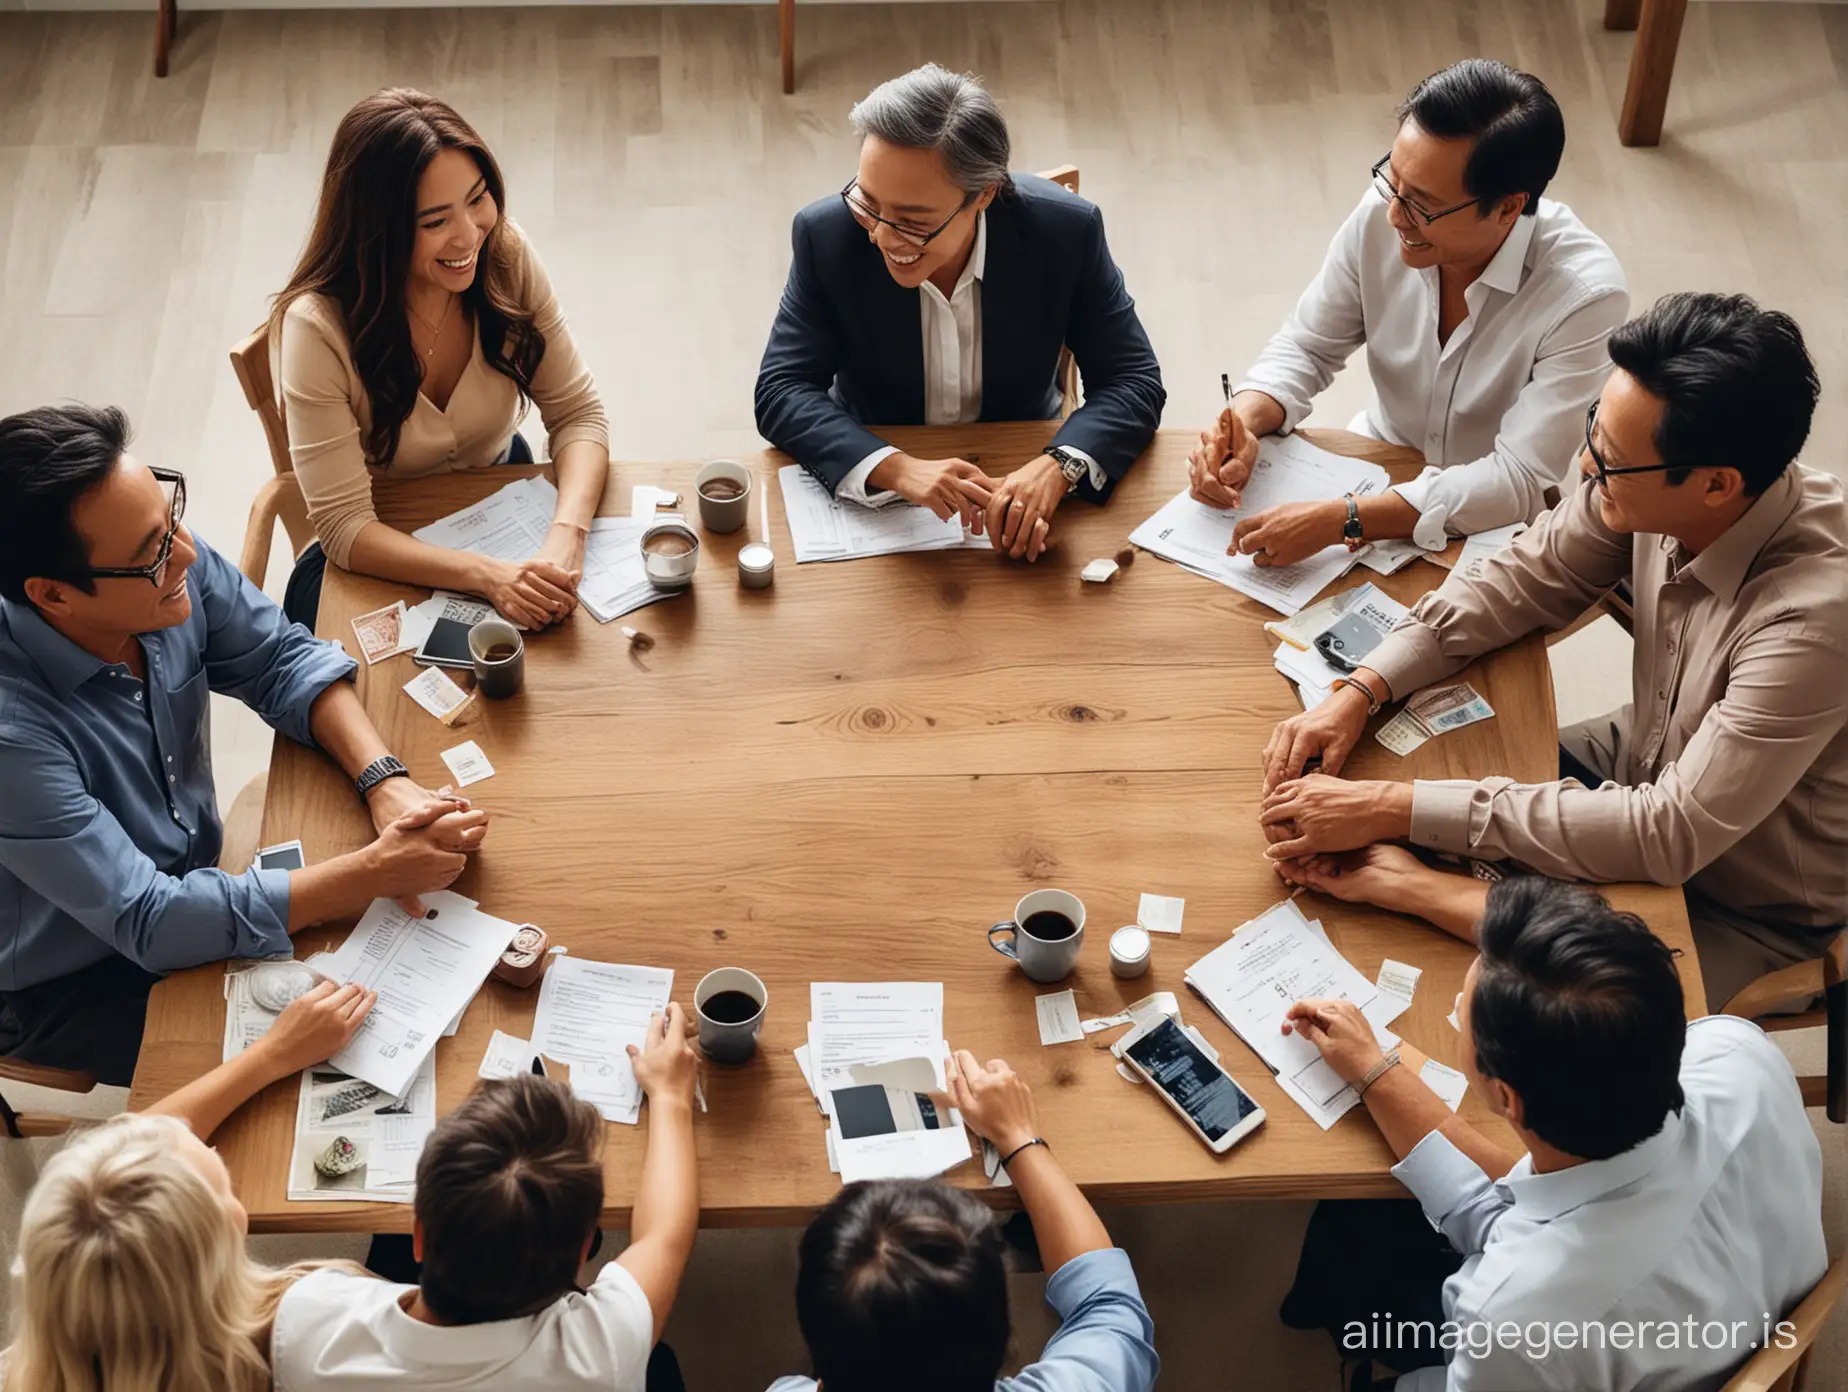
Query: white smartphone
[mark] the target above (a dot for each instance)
(1218, 1110)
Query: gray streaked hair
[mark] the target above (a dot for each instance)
(931, 108)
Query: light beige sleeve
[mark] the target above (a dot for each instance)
(330, 463)
(563, 388)
(1782, 707)
(1555, 570)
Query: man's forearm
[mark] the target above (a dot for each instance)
(1261, 412)
(1064, 1223)
(1406, 1111)
(332, 889)
(1449, 901)
(344, 731)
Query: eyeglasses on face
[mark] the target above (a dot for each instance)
(918, 236)
(156, 573)
(1605, 471)
(1388, 190)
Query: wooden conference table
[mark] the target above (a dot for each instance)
(850, 776)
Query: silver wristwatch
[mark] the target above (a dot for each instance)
(1076, 471)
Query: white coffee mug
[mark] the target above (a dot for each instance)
(1042, 958)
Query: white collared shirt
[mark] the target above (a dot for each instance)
(1498, 411)
(337, 1330)
(1713, 1223)
(952, 327)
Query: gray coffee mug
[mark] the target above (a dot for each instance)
(497, 677)
(723, 514)
(730, 1040)
(1042, 959)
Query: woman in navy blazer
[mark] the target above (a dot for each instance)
(938, 288)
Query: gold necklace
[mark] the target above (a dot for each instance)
(436, 333)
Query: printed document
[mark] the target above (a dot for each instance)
(1289, 470)
(356, 1143)
(589, 1013)
(825, 528)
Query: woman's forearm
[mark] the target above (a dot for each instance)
(390, 554)
(204, 1103)
(583, 471)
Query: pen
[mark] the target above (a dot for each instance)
(1225, 385)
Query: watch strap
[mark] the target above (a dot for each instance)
(376, 772)
(1352, 535)
(1373, 702)
(1076, 471)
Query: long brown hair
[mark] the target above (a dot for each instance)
(359, 254)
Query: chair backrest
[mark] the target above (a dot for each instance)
(250, 361)
(1066, 177)
(1775, 1369)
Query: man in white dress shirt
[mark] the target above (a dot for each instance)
(938, 288)
(1484, 309)
(1667, 1214)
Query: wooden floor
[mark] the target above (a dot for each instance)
(143, 223)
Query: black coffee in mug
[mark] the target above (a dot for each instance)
(731, 1007)
(1048, 926)
(500, 652)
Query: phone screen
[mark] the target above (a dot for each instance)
(1348, 640)
(1214, 1102)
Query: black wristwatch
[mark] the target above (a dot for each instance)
(1076, 471)
(377, 772)
(1351, 533)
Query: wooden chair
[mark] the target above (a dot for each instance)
(19, 1125)
(166, 24)
(1798, 986)
(1652, 63)
(1066, 176)
(1775, 1369)
(280, 499)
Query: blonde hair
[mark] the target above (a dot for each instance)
(131, 1274)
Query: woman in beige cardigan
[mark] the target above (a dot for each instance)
(415, 331)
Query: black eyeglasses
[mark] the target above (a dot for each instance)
(156, 573)
(1605, 470)
(1388, 190)
(868, 219)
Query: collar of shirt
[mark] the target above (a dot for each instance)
(1723, 567)
(65, 665)
(1545, 1197)
(1508, 266)
(977, 267)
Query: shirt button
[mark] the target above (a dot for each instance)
(169, 758)
(172, 779)
(137, 695)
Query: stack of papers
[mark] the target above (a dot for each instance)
(511, 524)
(589, 1013)
(874, 1054)
(1253, 978)
(354, 1143)
(1297, 656)
(825, 528)
(425, 970)
(1289, 470)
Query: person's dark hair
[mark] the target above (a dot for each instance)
(359, 254)
(902, 1289)
(509, 1189)
(1737, 386)
(1510, 116)
(1578, 1008)
(49, 458)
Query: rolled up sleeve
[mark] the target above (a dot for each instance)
(254, 654)
(67, 847)
(1461, 1201)
(1105, 1339)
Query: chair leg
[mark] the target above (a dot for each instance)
(1621, 14)
(786, 42)
(1835, 1001)
(1652, 65)
(166, 21)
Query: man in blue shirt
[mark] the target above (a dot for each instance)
(116, 625)
(902, 1286)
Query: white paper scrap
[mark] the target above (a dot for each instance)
(1446, 1082)
(1058, 1018)
(1399, 979)
(508, 1055)
(467, 763)
(1160, 913)
(435, 692)
(1098, 571)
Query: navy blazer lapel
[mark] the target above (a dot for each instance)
(1010, 300)
(894, 322)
